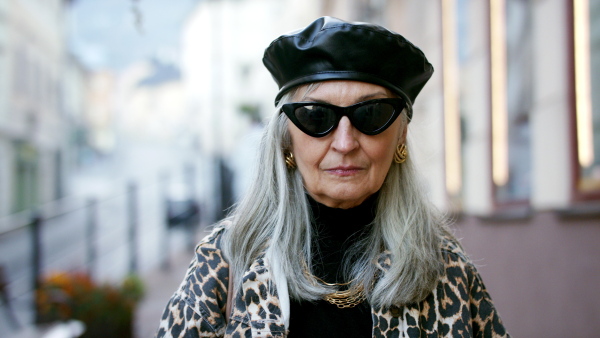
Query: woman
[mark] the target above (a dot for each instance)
(335, 237)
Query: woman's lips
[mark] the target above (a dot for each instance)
(343, 170)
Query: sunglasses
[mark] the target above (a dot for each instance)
(370, 117)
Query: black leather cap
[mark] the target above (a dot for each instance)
(332, 49)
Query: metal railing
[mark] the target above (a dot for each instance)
(107, 238)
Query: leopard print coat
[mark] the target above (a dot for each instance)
(459, 306)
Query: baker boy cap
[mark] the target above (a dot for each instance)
(332, 49)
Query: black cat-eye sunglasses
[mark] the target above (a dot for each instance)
(370, 117)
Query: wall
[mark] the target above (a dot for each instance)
(542, 272)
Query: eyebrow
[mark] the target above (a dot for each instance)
(360, 99)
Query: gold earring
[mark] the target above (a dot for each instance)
(401, 153)
(289, 161)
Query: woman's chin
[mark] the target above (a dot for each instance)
(342, 200)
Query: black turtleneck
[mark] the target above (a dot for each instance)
(334, 232)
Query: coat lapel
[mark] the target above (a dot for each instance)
(261, 302)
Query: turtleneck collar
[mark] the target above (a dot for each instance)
(334, 232)
(342, 223)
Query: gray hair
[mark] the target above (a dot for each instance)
(274, 218)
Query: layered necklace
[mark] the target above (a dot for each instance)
(344, 299)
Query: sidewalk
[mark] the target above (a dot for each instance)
(160, 285)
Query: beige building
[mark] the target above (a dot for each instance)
(32, 56)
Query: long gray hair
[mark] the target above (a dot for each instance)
(274, 219)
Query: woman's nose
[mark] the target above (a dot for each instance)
(344, 136)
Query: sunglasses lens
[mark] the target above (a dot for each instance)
(315, 119)
(372, 117)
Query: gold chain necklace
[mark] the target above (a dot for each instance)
(348, 298)
(343, 299)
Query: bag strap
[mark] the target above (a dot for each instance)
(229, 297)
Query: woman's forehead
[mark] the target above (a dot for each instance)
(339, 90)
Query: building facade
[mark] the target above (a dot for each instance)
(32, 57)
(508, 135)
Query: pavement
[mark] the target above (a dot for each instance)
(160, 284)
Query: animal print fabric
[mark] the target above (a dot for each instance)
(459, 306)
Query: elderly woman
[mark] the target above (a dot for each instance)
(335, 237)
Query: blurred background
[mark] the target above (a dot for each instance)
(128, 126)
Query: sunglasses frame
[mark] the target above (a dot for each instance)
(289, 108)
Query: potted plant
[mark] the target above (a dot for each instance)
(106, 310)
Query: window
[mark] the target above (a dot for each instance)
(454, 37)
(466, 99)
(511, 96)
(586, 19)
(19, 71)
(25, 176)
